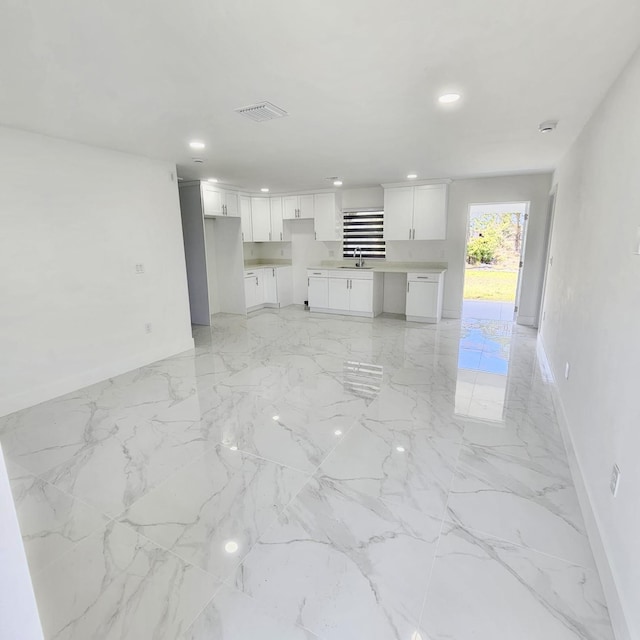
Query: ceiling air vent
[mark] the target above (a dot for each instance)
(261, 112)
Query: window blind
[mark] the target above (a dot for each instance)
(364, 229)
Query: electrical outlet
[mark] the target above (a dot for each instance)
(140, 268)
(615, 480)
(148, 328)
(566, 370)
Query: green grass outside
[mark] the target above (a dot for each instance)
(483, 284)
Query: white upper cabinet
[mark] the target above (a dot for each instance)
(430, 212)
(290, 207)
(231, 207)
(398, 213)
(327, 217)
(212, 200)
(415, 212)
(260, 219)
(245, 215)
(294, 207)
(305, 208)
(217, 202)
(277, 226)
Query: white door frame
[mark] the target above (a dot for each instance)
(553, 198)
(523, 245)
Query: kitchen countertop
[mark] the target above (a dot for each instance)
(387, 267)
(254, 264)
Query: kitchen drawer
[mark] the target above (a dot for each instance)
(252, 272)
(351, 274)
(318, 273)
(423, 277)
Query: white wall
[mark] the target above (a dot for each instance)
(525, 188)
(592, 307)
(306, 251)
(74, 222)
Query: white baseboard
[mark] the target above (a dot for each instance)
(337, 312)
(84, 379)
(451, 314)
(592, 524)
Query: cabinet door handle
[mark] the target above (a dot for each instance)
(273, 272)
(269, 236)
(281, 235)
(414, 234)
(256, 281)
(315, 235)
(408, 283)
(409, 234)
(308, 283)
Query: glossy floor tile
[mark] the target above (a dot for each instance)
(309, 477)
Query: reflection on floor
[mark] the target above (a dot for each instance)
(487, 310)
(302, 476)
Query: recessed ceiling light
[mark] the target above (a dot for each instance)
(196, 144)
(233, 447)
(448, 98)
(412, 176)
(400, 449)
(337, 183)
(265, 189)
(276, 417)
(231, 546)
(337, 432)
(212, 179)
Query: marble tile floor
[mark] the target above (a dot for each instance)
(308, 476)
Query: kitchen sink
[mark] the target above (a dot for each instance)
(355, 267)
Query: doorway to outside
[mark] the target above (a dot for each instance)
(494, 256)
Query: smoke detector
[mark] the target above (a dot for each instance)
(261, 112)
(547, 126)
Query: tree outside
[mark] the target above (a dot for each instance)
(493, 255)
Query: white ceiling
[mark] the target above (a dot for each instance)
(359, 79)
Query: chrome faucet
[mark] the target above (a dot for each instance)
(360, 262)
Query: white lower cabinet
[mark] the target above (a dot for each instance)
(345, 292)
(318, 289)
(361, 296)
(424, 297)
(339, 294)
(253, 288)
(268, 287)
